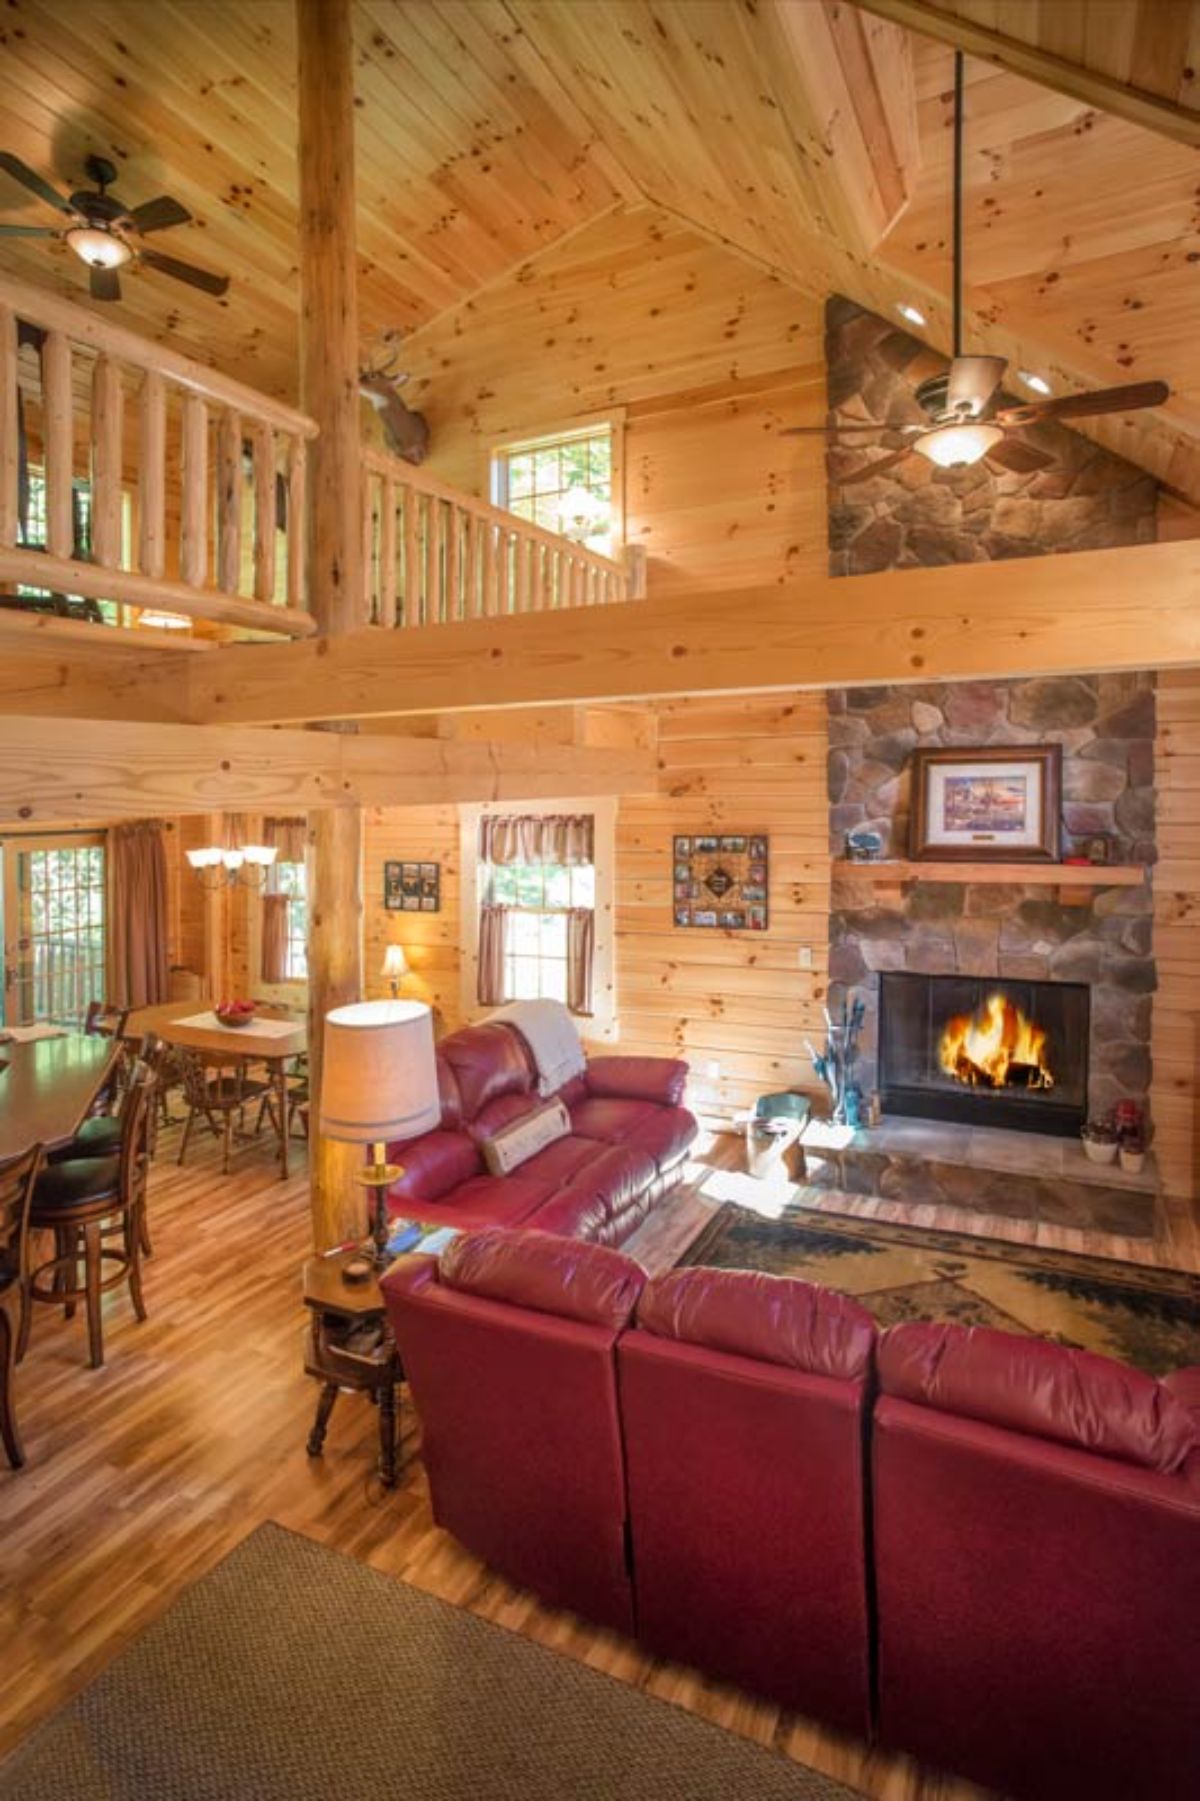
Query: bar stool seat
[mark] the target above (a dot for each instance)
(77, 1182)
(96, 1137)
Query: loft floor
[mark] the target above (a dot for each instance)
(143, 1474)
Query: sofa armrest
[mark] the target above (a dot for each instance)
(1184, 1384)
(660, 1079)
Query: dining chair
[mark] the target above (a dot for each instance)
(77, 1200)
(16, 1194)
(100, 1136)
(219, 1093)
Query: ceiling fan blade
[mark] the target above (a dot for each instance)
(879, 466)
(156, 215)
(105, 284)
(195, 278)
(29, 178)
(1128, 399)
(841, 431)
(973, 381)
(27, 231)
(1020, 458)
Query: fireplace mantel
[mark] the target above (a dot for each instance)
(891, 870)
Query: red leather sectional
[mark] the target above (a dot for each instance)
(986, 1548)
(629, 1141)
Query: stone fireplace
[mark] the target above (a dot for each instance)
(985, 1052)
(1006, 936)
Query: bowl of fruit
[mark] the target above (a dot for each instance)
(235, 1013)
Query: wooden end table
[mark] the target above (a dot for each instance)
(348, 1345)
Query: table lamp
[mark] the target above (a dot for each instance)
(395, 967)
(379, 1081)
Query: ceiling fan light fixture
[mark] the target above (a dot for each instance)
(958, 446)
(911, 313)
(1038, 383)
(97, 248)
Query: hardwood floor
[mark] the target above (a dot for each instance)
(143, 1474)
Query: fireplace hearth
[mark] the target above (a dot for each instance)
(985, 1050)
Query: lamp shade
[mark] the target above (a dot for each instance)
(395, 963)
(379, 1077)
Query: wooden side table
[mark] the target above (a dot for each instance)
(348, 1345)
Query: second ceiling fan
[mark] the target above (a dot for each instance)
(961, 426)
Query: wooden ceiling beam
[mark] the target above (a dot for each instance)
(126, 771)
(1133, 608)
(1092, 86)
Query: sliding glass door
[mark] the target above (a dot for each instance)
(54, 920)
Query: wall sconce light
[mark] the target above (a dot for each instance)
(395, 967)
(219, 868)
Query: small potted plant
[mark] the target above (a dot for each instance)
(1100, 1141)
(1132, 1153)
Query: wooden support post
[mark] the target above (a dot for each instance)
(9, 435)
(193, 529)
(107, 424)
(329, 386)
(152, 477)
(229, 502)
(60, 445)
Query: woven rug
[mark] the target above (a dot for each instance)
(292, 1673)
(1147, 1317)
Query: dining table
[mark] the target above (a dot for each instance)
(47, 1087)
(269, 1038)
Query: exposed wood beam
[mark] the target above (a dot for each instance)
(1130, 608)
(66, 575)
(1091, 86)
(125, 771)
(46, 635)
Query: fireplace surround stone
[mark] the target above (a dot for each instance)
(1106, 726)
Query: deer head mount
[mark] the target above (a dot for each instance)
(407, 432)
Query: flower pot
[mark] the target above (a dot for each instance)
(1132, 1161)
(1100, 1150)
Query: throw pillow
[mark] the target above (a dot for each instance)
(517, 1143)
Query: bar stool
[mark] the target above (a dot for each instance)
(16, 1194)
(77, 1200)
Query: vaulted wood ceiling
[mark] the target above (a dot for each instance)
(812, 139)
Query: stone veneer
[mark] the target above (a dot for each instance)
(1106, 726)
(919, 515)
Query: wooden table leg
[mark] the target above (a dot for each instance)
(387, 1428)
(316, 1438)
(281, 1079)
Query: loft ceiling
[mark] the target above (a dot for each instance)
(813, 139)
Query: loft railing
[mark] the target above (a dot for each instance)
(155, 425)
(432, 556)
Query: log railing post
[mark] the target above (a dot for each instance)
(10, 459)
(193, 515)
(266, 513)
(387, 554)
(229, 501)
(152, 476)
(107, 426)
(58, 408)
(297, 524)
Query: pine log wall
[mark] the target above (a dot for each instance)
(1176, 1017)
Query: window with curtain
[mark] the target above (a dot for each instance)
(537, 888)
(285, 904)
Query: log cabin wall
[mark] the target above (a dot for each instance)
(1176, 1019)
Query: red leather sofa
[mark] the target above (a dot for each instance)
(734, 1468)
(1037, 1561)
(744, 1400)
(508, 1349)
(629, 1140)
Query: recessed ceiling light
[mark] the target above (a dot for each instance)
(910, 313)
(1035, 382)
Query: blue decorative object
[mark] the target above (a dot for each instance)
(835, 1064)
(863, 847)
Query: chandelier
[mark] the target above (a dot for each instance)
(218, 868)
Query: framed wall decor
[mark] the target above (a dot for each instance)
(997, 804)
(720, 881)
(412, 887)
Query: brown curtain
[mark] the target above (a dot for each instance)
(581, 951)
(563, 838)
(274, 937)
(235, 831)
(287, 835)
(490, 988)
(137, 914)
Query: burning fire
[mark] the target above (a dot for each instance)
(995, 1048)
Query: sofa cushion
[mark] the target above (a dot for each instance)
(1045, 1390)
(604, 1198)
(658, 1079)
(563, 1276)
(515, 1144)
(432, 1164)
(451, 1099)
(560, 1161)
(486, 1201)
(772, 1318)
(487, 1062)
(662, 1133)
(506, 1110)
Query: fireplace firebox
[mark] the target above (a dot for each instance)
(985, 1050)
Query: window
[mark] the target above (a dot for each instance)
(54, 908)
(288, 879)
(566, 483)
(540, 897)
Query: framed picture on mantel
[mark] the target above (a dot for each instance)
(997, 804)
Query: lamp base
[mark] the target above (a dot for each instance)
(377, 1177)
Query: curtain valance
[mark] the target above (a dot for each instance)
(567, 839)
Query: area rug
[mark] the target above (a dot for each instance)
(1147, 1317)
(292, 1673)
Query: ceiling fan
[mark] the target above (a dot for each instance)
(960, 429)
(104, 232)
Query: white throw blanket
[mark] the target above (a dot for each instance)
(551, 1034)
